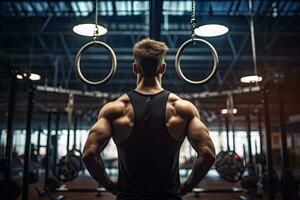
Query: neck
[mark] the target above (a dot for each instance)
(148, 85)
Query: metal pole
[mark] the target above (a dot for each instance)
(271, 190)
(284, 151)
(220, 135)
(39, 141)
(47, 150)
(245, 153)
(10, 119)
(233, 136)
(227, 131)
(255, 148)
(80, 128)
(230, 114)
(27, 153)
(249, 138)
(260, 138)
(68, 138)
(250, 3)
(75, 129)
(55, 141)
(259, 120)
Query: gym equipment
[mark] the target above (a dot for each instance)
(50, 183)
(264, 181)
(69, 110)
(55, 138)
(249, 145)
(28, 176)
(10, 119)
(95, 42)
(69, 165)
(77, 152)
(230, 119)
(221, 145)
(288, 183)
(9, 189)
(47, 160)
(260, 158)
(65, 171)
(270, 177)
(194, 40)
(249, 178)
(230, 166)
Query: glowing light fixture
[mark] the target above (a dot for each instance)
(251, 79)
(211, 30)
(89, 29)
(34, 77)
(225, 111)
(31, 76)
(19, 76)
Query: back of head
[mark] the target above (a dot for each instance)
(149, 55)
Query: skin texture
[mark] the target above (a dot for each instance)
(182, 120)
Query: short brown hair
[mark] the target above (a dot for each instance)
(149, 55)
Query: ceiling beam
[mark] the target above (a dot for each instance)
(155, 16)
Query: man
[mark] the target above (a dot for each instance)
(148, 126)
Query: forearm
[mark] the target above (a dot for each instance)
(96, 168)
(201, 166)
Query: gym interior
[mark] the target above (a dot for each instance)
(237, 61)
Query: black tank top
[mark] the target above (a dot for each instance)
(149, 157)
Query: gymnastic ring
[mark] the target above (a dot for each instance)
(214, 65)
(113, 64)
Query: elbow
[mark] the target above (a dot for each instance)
(212, 158)
(88, 156)
(212, 154)
(209, 155)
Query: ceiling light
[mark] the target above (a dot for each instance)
(19, 76)
(225, 111)
(34, 77)
(211, 30)
(251, 79)
(89, 29)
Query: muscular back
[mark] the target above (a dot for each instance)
(121, 116)
(116, 120)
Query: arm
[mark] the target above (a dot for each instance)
(98, 138)
(201, 142)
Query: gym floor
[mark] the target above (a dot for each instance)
(86, 182)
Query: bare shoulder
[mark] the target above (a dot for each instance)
(115, 109)
(183, 107)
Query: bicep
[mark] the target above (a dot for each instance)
(99, 136)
